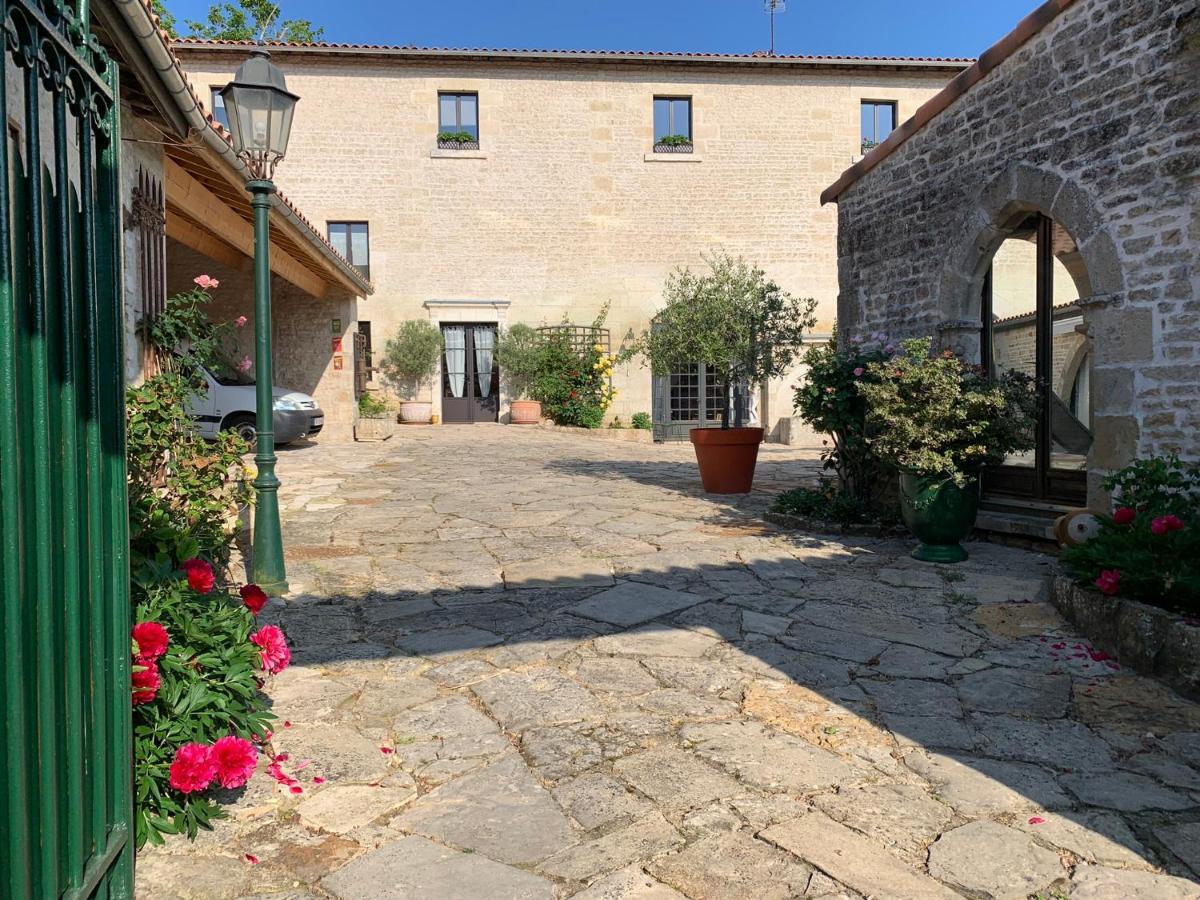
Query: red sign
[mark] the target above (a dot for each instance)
(337, 345)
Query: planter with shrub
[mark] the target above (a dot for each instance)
(376, 419)
(572, 384)
(519, 352)
(673, 143)
(937, 421)
(457, 140)
(745, 329)
(409, 362)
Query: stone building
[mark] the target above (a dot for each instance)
(1075, 141)
(187, 213)
(561, 202)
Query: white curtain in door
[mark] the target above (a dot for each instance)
(455, 337)
(485, 346)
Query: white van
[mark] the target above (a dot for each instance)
(229, 403)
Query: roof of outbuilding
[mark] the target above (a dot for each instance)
(963, 82)
(759, 58)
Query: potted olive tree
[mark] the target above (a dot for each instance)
(745, 330)
(519, 352)
(939, 421)
(410, 360)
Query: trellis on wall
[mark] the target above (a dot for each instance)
(581, 337)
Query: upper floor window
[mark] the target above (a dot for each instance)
(218, 108)
(878, 120)
(458, 120)
(350, 239)
(672, 124)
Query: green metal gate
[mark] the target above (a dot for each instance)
(66, 818)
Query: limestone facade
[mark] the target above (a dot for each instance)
(564, 206)
(1092, 121)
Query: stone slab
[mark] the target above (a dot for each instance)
(1124, 791)
(1092, 835)
(984, 787)
(989, 860)
(768, 759)
(1016, 692)
(537, 696)
(630, 883)
(415, 867)
(632, 603)
(675, 778)
(1100, 883)
(340, 808)
(647, 837)
(854, 860)
(656, 640)
(594, 799)
(558, 572)
(733, 866)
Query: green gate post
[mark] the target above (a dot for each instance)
(268, 567)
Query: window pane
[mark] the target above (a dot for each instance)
(447, 112)
(868, 121)
(886, 120)
(337, 237)
(218, 108)
(358, 244)
(681, 118)
(662, 118)
(466, 111)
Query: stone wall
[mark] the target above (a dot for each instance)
(1094, 122)
(301, 336)
(565, 207)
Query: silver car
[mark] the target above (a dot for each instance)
(229, 403)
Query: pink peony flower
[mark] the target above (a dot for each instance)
(152, 639)
(1036, 820)
(204, 282)
(1124, 515)
(199, 575)
(1109, 581)
(859, 371)
(254, 597)
(245, 364)
(1164, 524)
(193, 769)
(240, 321)
(235, 759)
(146, 681)
(275, 652)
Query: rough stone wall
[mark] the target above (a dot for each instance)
(140, 149)
(565, 207)
(1095, 121)
(301, 334)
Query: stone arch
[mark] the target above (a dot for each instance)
(1021, 189)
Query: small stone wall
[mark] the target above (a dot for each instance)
(1145, 638)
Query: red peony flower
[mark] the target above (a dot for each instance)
(1124, 515)
(145, 682)
(254, 597)
(1109, 581)
(193, 769)
(151, 638)
(199, 575)
(235, 759)
(275, 652)
(1164, 524)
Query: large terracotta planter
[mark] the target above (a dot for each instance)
(940, 513)
(416, 413)
(726, 457)
(525, 412)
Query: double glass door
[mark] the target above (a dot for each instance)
(1032, 323)
(470, 376)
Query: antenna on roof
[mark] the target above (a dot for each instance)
(771, 7)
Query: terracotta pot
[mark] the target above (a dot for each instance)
(416, 413)
(727, 457)
(526, 412)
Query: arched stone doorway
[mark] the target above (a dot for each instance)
(1035, 286)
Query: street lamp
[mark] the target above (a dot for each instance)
(260, 109)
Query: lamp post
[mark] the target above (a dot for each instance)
(260, 109)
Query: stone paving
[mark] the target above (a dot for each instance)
(538, 665)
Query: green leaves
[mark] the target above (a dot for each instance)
(410, 356)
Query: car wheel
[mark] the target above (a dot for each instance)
(245, 426)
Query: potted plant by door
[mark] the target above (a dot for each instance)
(939, 421)
(409, 362)
(744, 328)
(376, 419)
(519, 352)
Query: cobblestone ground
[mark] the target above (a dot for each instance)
(533, 665)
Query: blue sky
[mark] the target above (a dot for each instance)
(838, 27)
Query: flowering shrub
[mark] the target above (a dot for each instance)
(1149, 549)
(940, 417)
(830, 401)
(198, 662)
(574, 387)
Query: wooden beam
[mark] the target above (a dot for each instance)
(188, 233)
(190, 198)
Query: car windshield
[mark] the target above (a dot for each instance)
(225, 374)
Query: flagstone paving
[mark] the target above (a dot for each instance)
(529, 664)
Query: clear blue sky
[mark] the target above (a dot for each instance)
(837, 27)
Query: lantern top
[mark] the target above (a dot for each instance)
(260, 109)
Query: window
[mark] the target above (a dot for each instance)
(458, 114)
(350, 240)
(672, 122)
(218, 108)
(878, 120)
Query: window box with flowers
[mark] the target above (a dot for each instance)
(457, 140)
(673, 143)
